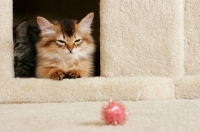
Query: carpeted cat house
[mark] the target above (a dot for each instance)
(149, 50)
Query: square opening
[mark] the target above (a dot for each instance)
(57, 9)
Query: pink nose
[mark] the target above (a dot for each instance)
(70, 50)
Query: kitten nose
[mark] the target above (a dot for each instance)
(70, 49)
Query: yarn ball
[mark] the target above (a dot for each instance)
(114, 113)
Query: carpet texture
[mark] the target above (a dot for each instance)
(149, 51)
(6, 39)
(92, 89)
(142, 56)
(144, 116)
(192, 37)
(188, 87)
(142, 38)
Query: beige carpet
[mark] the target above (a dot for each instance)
(144, 116)
(149, 51)
(85, 89)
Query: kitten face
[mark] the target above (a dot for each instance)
(20, 45)
(74, 46)
(65, 49)
(69, 38)
(25, 37)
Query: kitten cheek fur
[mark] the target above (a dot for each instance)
(53, 62)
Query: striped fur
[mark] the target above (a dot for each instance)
(25, 38)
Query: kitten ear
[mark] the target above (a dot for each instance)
(85, 23)
(21, 29)
(47, 28)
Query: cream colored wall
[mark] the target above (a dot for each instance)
(142, 38)
(6, 40)
(192, 37)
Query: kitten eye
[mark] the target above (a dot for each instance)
(17, 44)
(61, 42)
(78, 41)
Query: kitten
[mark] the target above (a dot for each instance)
(66, 48)
(25, 38)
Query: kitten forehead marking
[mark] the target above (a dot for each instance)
(67, 27)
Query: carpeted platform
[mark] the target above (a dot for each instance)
(144, 116)
(149, 50)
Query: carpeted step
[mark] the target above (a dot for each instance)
(86, 89)
(144, 116)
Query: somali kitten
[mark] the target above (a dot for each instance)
(25, 38)
(66, 48)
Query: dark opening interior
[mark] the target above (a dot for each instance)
(57, 9)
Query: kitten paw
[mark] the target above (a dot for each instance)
(73, 74)
(58, 75)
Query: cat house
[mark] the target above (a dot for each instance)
(149, 50)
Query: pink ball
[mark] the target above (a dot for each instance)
(114, 113)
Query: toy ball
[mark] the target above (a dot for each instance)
(114, 113)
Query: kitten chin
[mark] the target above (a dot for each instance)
(66, 48)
